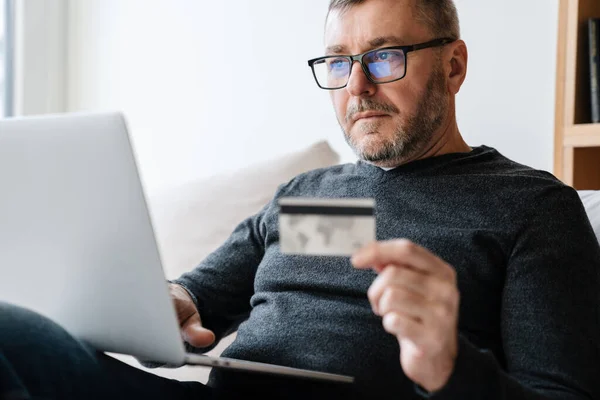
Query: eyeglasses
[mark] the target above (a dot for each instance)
(383, 65)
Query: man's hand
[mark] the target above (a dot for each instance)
(417, 296)
(189, 318)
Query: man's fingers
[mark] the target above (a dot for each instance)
(395, 252)
(401, 252)
(190, 324)
(404, 327)
(195, 334)
(406, 278)
(398, 300)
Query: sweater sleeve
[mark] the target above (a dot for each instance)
(550, 314)
(223, 283)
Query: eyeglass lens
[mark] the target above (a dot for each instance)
(382, 66)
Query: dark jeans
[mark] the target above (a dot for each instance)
(40, 360)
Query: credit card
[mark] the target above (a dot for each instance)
(325, 227)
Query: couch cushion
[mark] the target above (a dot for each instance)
(591, 202)
(193, 219)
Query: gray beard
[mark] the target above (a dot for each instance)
(411, 138)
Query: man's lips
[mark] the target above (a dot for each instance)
(368, 114)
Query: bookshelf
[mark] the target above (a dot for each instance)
(576, 140)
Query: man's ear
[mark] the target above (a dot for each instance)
(457, 56)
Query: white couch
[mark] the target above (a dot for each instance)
(194, 219)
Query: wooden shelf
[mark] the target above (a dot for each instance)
(576, 141)
(582, 135)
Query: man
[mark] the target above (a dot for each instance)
(484, 282)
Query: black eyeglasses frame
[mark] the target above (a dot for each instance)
(359, 57)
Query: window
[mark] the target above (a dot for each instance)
(6, 58)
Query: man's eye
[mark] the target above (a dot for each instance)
(337, 64)
(383, 55)
(386, 55)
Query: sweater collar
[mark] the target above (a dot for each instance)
(366, 168)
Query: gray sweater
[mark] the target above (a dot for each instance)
(528, 267)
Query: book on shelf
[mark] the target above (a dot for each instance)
(594, 57)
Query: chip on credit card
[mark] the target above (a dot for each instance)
(325, 227)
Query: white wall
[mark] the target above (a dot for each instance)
(192, 115)
(507, 100)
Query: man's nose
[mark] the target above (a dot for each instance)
(358, 83)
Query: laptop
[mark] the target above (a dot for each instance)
(77, 242)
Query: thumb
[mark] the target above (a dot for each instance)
(195, 334)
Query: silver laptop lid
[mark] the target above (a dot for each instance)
(76, 239)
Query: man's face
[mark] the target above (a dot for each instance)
(410, 110)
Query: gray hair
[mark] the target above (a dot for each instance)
(440, 16)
